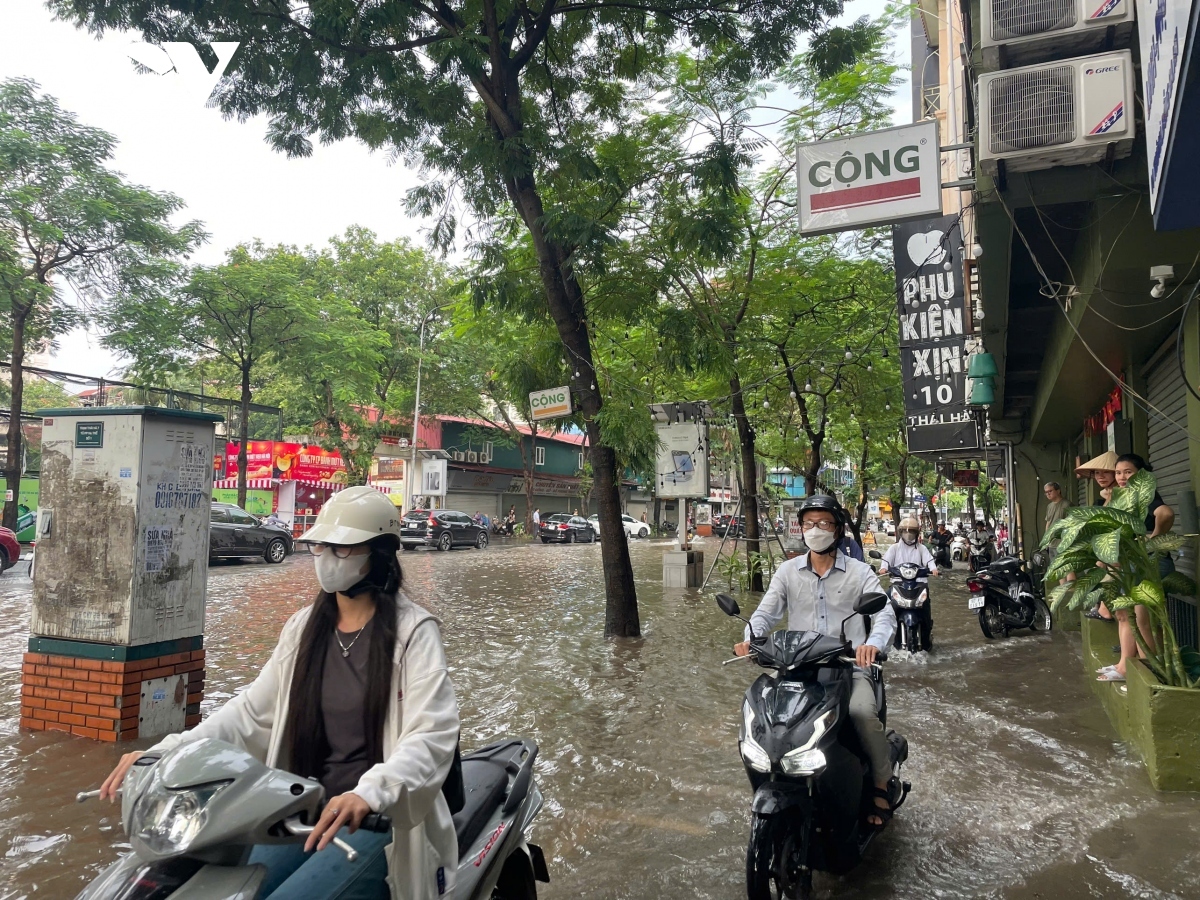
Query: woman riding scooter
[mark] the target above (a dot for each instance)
(358, 697)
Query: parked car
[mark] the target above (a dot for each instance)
(633, 527)
(565, 528)
(233, 532)
(10, 550)
(441, 528)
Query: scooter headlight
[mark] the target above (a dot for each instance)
(803, 762)
(754, 755)
(167, 821)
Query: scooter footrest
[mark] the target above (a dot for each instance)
(538, 859)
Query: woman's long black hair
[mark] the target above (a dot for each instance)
(305, 738)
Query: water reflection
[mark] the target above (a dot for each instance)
(1019, 788)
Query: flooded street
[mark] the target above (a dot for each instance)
(1019, 786)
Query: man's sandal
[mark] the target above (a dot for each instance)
(1110, 675)
(884, 814)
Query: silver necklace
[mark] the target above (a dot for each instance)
(337, 636)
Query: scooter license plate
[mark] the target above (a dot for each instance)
(976, 602)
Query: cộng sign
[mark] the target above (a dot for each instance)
(874, 178)
(552, 403)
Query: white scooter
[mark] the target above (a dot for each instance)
(960, 548)
(194, 814)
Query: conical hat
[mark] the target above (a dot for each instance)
(1105, 462)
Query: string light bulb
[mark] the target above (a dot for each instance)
(793, 394)
(808, 386)
(822, 368)
(766, 405)
(849, 352)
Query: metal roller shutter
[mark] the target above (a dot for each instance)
(1168, 444)
(471, 503)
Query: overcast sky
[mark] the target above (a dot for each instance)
(224, 171)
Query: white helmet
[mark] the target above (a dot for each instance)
(909, 523)
(354, 515)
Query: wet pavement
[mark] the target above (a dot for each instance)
(1020, 787)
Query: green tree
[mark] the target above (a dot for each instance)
(66, 217)
(238, 315)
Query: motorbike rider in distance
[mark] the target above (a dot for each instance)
(909, 549)
(818, 590)
(942, 538)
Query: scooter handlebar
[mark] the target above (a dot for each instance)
(377, 822)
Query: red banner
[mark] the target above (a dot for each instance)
(286, 461)
(1098, 424)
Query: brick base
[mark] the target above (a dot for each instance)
(99, 699)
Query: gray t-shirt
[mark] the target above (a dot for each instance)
(343, 696)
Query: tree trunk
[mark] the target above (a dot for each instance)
(12, 469)
(564, 298)
(899, 501)
(861, 507)
(971, 505)
(243, 437)
(749, 481)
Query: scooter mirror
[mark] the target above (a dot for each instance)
(728, 605)
(874, 554)
(871, 603)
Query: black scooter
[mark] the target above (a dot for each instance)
(812, 783)
(941, 555)
(910, 599)
(1007, 595)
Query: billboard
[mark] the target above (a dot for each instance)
(433, 478)
(931, 308)
(682, 466)
(874, 178)
(286, 461)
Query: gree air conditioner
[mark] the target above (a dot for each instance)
(1056, 114)
(472, 456)
(1040, 29)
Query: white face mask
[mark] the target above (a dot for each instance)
(817, 540)
(335, 574)
(909, 538)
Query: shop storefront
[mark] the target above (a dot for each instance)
(290, 479)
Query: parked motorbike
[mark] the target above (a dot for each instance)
(812, 782)
(910, 600)
(194, 814)
(960, 548)
(980, 554)
(1007, 596)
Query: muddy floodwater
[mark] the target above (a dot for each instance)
(1020, 788)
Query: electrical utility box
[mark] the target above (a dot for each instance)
(122, 531)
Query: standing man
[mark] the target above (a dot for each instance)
(818, 591)
(537, 518)
(1056, 504)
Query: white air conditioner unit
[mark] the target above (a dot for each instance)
(459, 456)
(1056, 114)
(1038, 29)
(484, 457)
(472, 456)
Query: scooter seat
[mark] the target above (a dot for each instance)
(485, 783)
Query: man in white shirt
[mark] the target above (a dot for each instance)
(818, 591)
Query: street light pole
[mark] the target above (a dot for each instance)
(417, 405)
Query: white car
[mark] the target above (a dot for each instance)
(633, 528)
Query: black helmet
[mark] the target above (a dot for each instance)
(825, 503)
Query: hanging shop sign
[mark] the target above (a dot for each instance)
(286, 461)
(966, 478)
(1166, 32)
(553, 403)
(681, 470)
(1100, 422)
(546, 487)
(874, 178)
(931, 308)
(480, 482)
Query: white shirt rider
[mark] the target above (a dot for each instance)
(909, 550)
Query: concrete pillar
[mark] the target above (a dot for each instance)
(116, 646)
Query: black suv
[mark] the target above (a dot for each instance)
(233, 532)
(441, 528)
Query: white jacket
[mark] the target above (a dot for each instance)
(420, 733)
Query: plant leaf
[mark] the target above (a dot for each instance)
(1165, 542)
(1179, 584)
(1149, 593)
(1121, 601)
(1107, 547)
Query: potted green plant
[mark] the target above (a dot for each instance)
(1107, 551)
